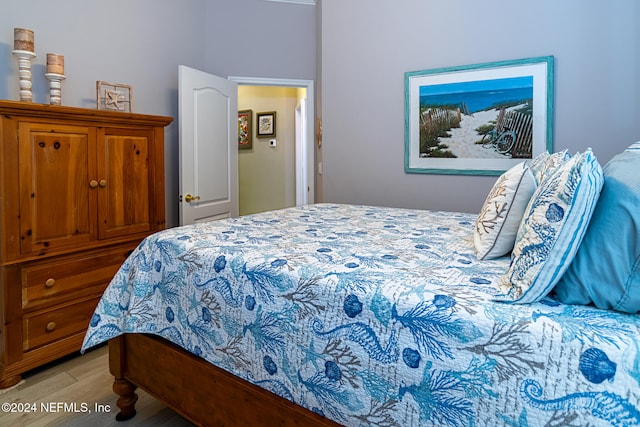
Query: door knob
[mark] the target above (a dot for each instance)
(189, 198)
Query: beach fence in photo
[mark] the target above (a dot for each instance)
(435, 121)
(441, 117)
(522, 125)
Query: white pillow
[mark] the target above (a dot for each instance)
(500, 216)
(552, 229)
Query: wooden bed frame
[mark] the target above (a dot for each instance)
(197, 390)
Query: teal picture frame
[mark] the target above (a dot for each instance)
(479, 119)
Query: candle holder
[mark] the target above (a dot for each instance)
(55, 87)
(24, 73)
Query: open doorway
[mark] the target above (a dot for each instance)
(277, 171)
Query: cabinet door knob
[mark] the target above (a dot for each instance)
(103, 183)
(93, 183)
(51, 326)
(50, 282)
(189, 198)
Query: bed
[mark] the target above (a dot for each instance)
(333, 314)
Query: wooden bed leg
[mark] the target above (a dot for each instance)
(127, 400)
(10, 382)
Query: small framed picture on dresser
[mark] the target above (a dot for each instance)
(114, 96)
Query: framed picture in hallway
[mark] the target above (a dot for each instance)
(478, 119)
(245, 132)
(266, 124)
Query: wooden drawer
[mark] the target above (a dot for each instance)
(44, 327)
(52, 282)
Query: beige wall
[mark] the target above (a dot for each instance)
(266, 175)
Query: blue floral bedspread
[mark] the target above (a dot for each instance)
(375, 316)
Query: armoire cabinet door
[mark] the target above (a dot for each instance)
(79, 189)
(57, 198)
(125, 192)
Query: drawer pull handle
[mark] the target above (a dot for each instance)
(103, 183)
(51, 326)
(50, 282)
(93, 183)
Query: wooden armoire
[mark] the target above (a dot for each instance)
(79, 190)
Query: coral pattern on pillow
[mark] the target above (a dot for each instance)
(552, 229)
(545, 164)
(502, 212)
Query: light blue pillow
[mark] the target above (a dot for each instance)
(606, 269)
(552, 229)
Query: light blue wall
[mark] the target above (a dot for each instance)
(257, 38)
(137, 42)
(364, 56)
(142, 42)
(596, 46)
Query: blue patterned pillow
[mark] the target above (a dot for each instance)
(606, 269)
(552, 229)
(545, 163)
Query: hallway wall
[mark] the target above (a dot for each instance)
(266, 175)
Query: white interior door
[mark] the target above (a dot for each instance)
(208, 120)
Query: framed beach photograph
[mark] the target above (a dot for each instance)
(244, 129)
(478, 119)
(266, 124)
